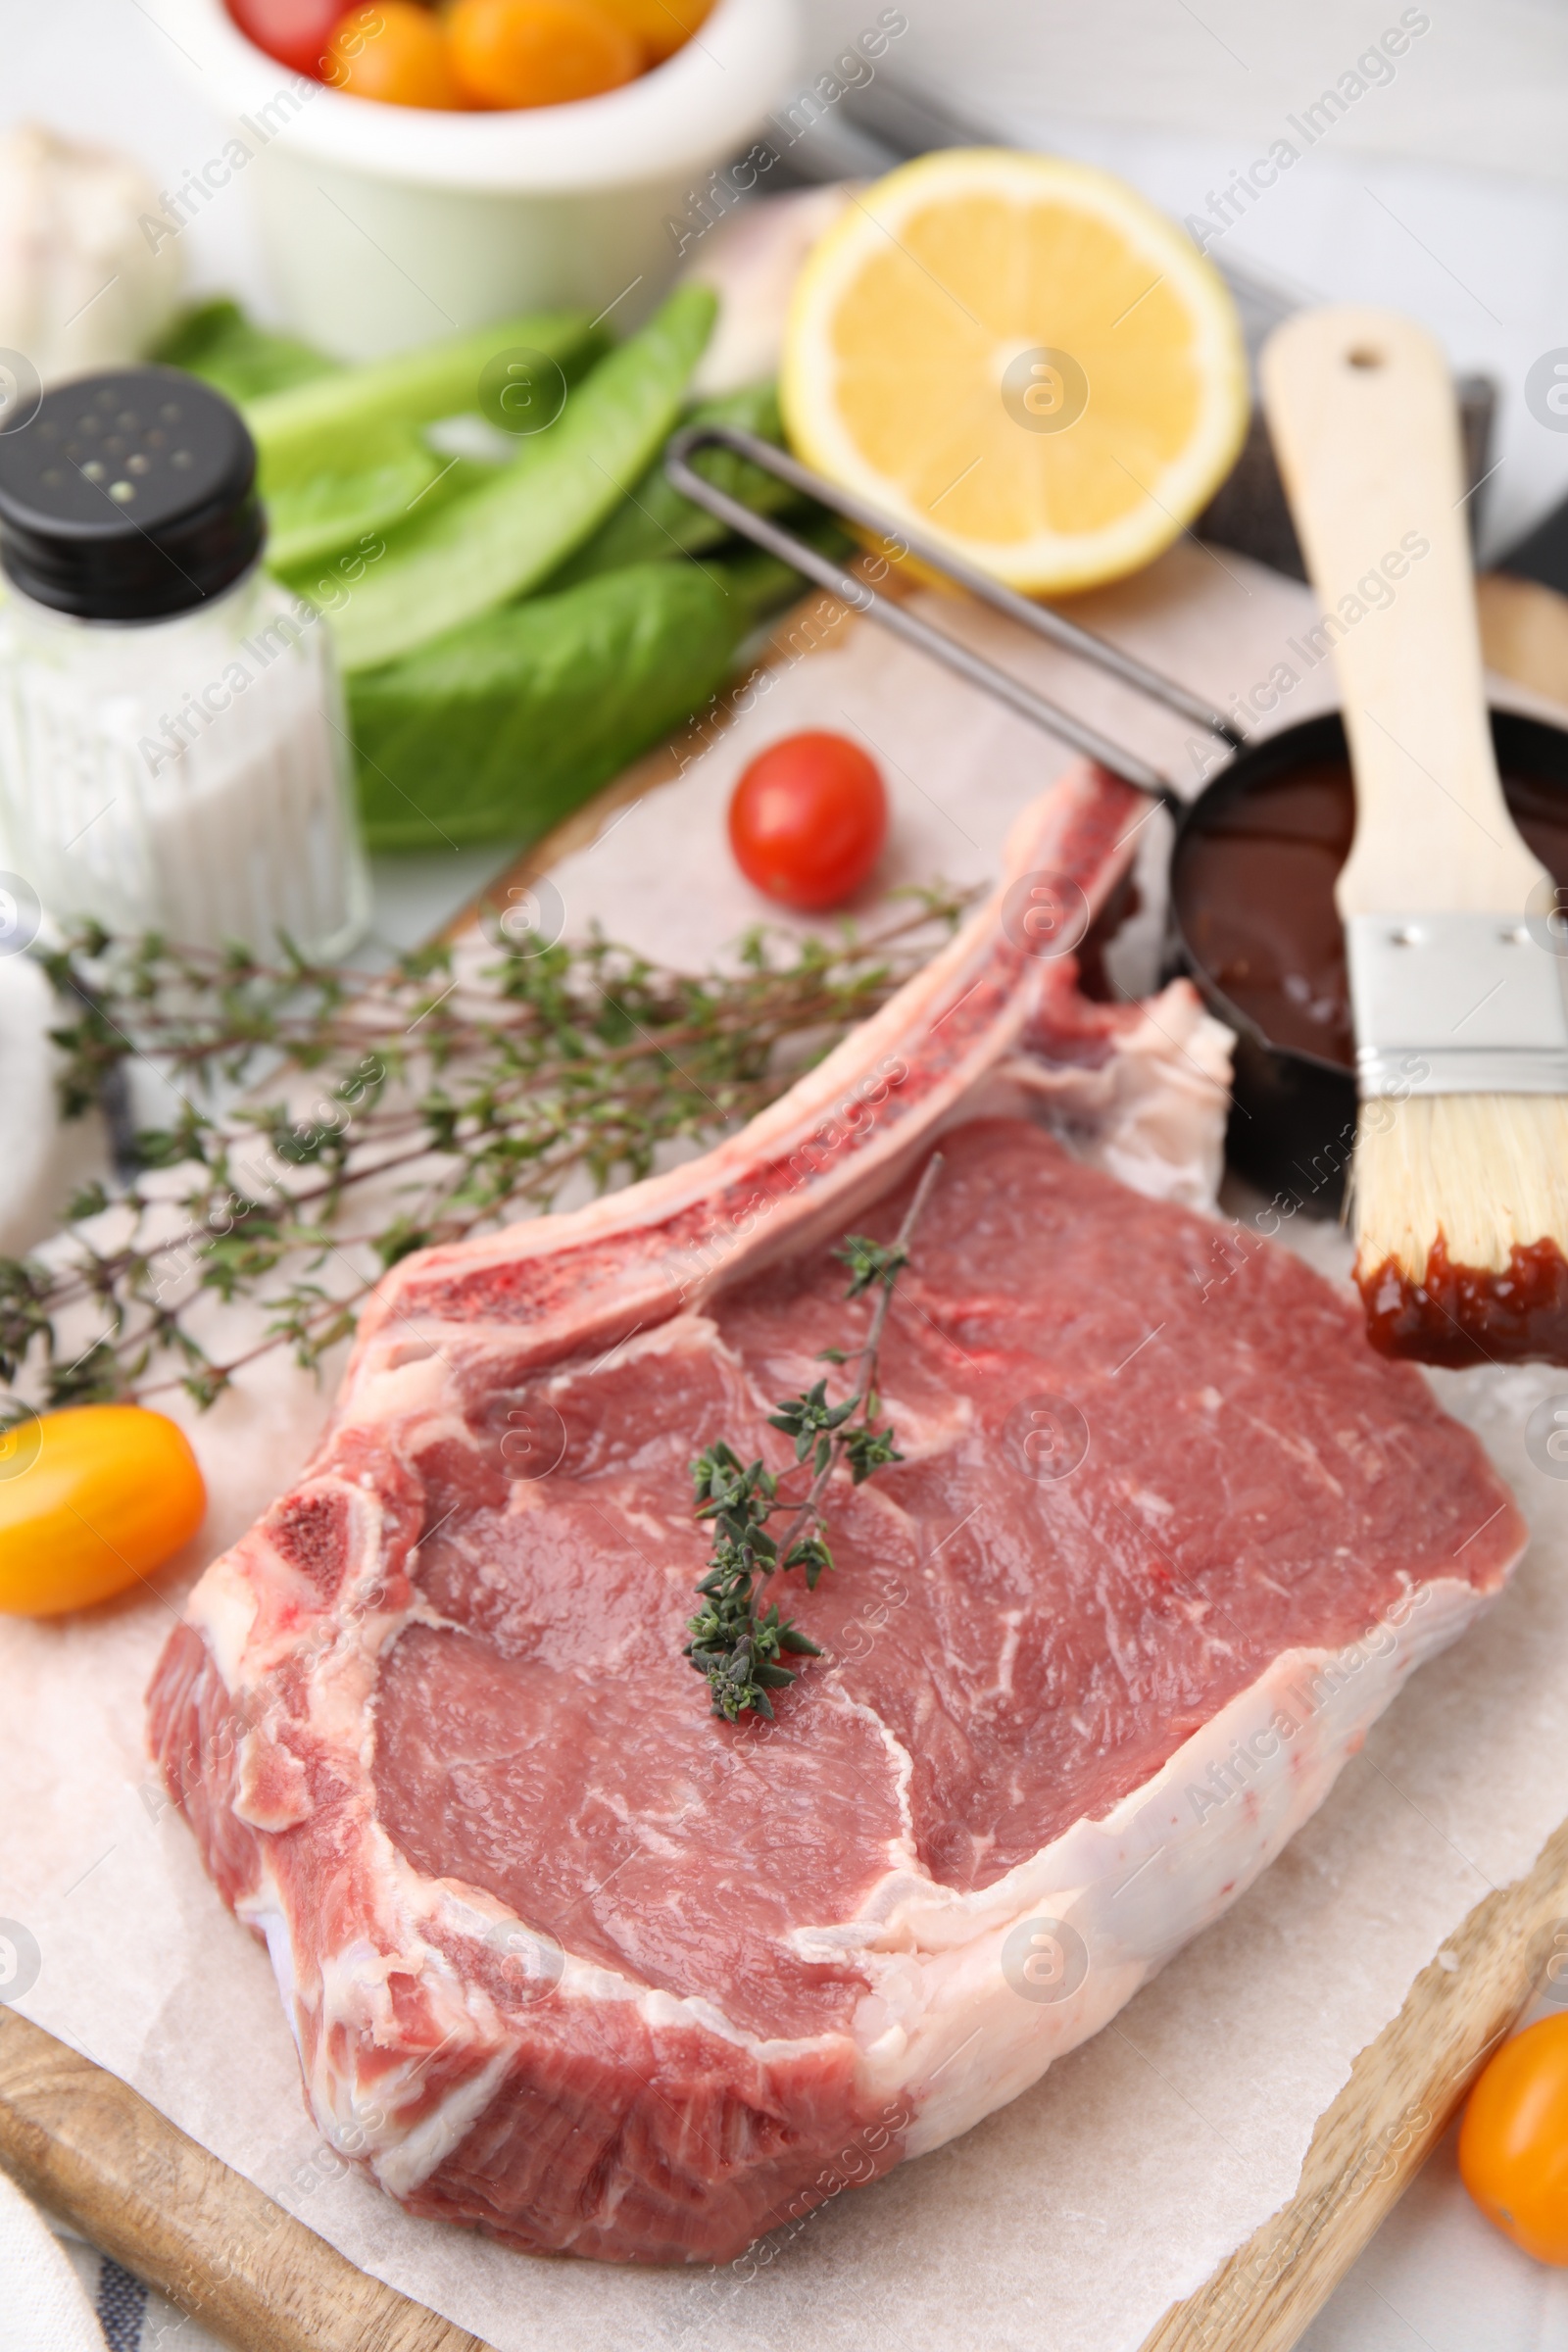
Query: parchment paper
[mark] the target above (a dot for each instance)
(1070, 2221)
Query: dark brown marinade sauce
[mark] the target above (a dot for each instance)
(1470, 1314)
(1257, 898)
(1258, 910)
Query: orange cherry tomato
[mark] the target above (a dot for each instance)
(91, 1499)
(1513, 2142)
(393, 51)
(509, 53)
(807, 819)
(659, 26)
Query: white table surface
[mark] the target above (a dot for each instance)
(1445, 193)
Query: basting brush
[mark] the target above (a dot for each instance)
(1454, 939)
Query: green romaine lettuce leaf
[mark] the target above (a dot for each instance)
(496, 731)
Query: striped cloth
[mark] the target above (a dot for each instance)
(59, 2294)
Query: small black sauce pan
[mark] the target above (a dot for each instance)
(1294, 1106)
(1292, 1117)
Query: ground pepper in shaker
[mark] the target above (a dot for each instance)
(173, 748)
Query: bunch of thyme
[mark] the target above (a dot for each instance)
(448, 1094)
(735, 1643)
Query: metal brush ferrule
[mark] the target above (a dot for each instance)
(1457, 1004)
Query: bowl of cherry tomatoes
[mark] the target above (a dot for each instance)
(422, 166)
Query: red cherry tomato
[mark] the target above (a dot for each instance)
(809, 818)
(294, 31)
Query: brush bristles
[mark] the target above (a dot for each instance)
(1487, 1173)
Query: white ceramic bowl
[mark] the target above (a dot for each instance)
(390, 225)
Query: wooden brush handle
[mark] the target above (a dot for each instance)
(1362, 410)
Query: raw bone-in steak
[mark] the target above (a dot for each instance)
(566, 1958)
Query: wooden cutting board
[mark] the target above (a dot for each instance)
(87, 2146)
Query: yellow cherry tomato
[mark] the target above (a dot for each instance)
(509, 53)
(90, 1501)
(661, 26)
(393, 51)
(1513, 2142)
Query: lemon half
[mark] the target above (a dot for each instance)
(1018, 356)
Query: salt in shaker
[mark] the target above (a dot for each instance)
(173, 748)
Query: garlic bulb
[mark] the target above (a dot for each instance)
(80, 283)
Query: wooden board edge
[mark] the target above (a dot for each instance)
(1524, 633)
(1370, 2143)
(83, 2143)
(94, 2151)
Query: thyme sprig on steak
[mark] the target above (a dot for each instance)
(736, 1644)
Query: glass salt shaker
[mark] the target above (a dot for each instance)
(173, 748)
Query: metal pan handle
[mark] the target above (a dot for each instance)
(864, 598)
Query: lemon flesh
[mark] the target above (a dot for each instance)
(1018, 356)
